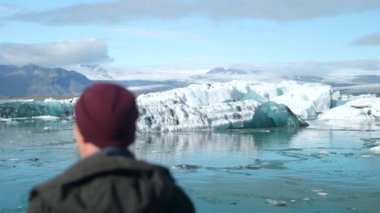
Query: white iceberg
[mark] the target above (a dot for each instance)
(360, 109)
(306, 100)
(227, 105)
(197, 107)
(375, 150)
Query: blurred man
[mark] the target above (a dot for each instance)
(108, 178)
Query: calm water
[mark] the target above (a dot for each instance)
(317, 169)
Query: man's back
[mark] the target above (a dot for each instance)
(111, 181)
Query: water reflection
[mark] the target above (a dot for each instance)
(244, 141)
(31, 151)
(309, 170)
(215, 149)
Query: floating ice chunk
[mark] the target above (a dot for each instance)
(375, 150)
(46, 117)
(186, 167)
(320, 192)
(361, 109)
(323, 193)
(277, 203)
(323, 153)
(6, 119)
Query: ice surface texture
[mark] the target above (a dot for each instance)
(232, 105)
(36, 109)
(271, 114)
(360, 109)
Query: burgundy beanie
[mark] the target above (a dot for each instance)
(106, 115)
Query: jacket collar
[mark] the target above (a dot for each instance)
(119, 151)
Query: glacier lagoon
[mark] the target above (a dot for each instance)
(314, 169)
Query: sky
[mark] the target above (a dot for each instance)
(283, 35)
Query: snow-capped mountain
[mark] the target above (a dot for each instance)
(93, 72)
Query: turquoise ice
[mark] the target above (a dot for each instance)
(30, 109)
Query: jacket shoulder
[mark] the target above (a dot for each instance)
(106, 182)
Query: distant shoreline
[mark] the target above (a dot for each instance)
(39, 98)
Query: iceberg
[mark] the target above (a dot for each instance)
(375, 150)
(360, 109)
(47, 109)
(360, 114)
(232, 105)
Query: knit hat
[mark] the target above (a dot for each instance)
(106, 115)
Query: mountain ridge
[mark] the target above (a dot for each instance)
(33, 80)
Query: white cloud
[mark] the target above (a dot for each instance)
(372, 39)
(155, 33)
(121, 10)
(54, 54)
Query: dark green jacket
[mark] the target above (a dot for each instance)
(110, 183)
